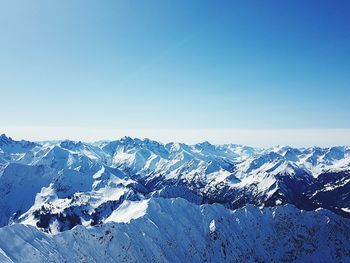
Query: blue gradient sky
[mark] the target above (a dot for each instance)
(175, 64)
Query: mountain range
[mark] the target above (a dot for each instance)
(134, 200)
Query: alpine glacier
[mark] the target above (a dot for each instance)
(133, 200)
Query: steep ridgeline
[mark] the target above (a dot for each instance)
(175, 230)
(55, 186)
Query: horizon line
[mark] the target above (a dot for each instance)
(266, 138)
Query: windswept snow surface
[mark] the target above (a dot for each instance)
(174, 230)
(54, 196)
(127, 211)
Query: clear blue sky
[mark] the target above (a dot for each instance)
(175, 64)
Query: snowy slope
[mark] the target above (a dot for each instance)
(174, 230)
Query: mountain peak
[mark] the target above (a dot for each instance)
(4, 139)
(127, 139)
(71, 145)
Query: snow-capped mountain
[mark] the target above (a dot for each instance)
(56, 186)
